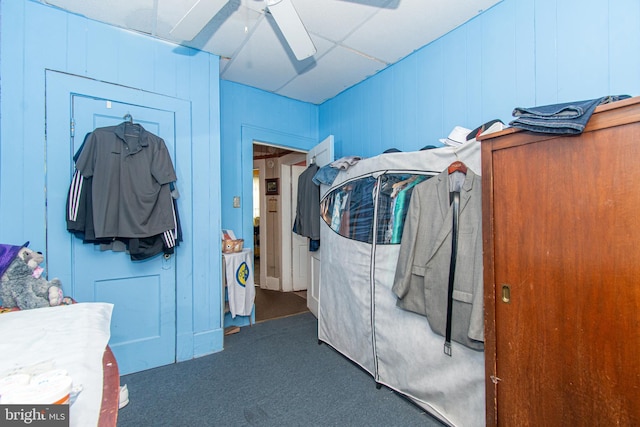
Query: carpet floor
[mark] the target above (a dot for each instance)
(272, 374)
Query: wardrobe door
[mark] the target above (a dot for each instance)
(562, 264)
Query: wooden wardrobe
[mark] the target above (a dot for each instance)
(561, 236)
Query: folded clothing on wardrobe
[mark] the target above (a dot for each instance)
(345, 162)
(327, 173)
(567, 118)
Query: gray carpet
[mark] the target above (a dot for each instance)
(271, 374)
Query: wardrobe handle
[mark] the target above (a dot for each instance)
(506, 294)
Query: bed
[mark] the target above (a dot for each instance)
(74, 338)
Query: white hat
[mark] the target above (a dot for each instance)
(457, 137)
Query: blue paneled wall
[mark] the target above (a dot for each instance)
(35, 38)
(518, 53)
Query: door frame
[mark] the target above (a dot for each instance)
(249, 135)
(322, 148)
(60, 87)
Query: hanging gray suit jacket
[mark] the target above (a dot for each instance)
(422, 273)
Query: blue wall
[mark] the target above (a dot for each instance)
(248, 115)
(518, 53)
(35, 38)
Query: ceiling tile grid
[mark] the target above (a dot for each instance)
(354, 39)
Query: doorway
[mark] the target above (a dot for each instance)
(274, 197)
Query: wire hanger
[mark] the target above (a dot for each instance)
(130, 128)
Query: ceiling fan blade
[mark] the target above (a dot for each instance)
(292, 28)
(196, 18)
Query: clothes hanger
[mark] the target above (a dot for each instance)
(457, 166)
(405, 182)
(398, 186)
(131, 129)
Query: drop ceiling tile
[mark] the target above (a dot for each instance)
(320, 83)
(392, 34)
(172, 11)
(255, 5)
(139, 15)
(228, 31)
(263, 61)
(333, 19)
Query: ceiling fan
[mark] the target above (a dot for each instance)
(283, 12)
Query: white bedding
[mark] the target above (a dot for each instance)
(73, 337)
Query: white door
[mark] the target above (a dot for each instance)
(321, 154)
(294, 266)
(299, 244)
